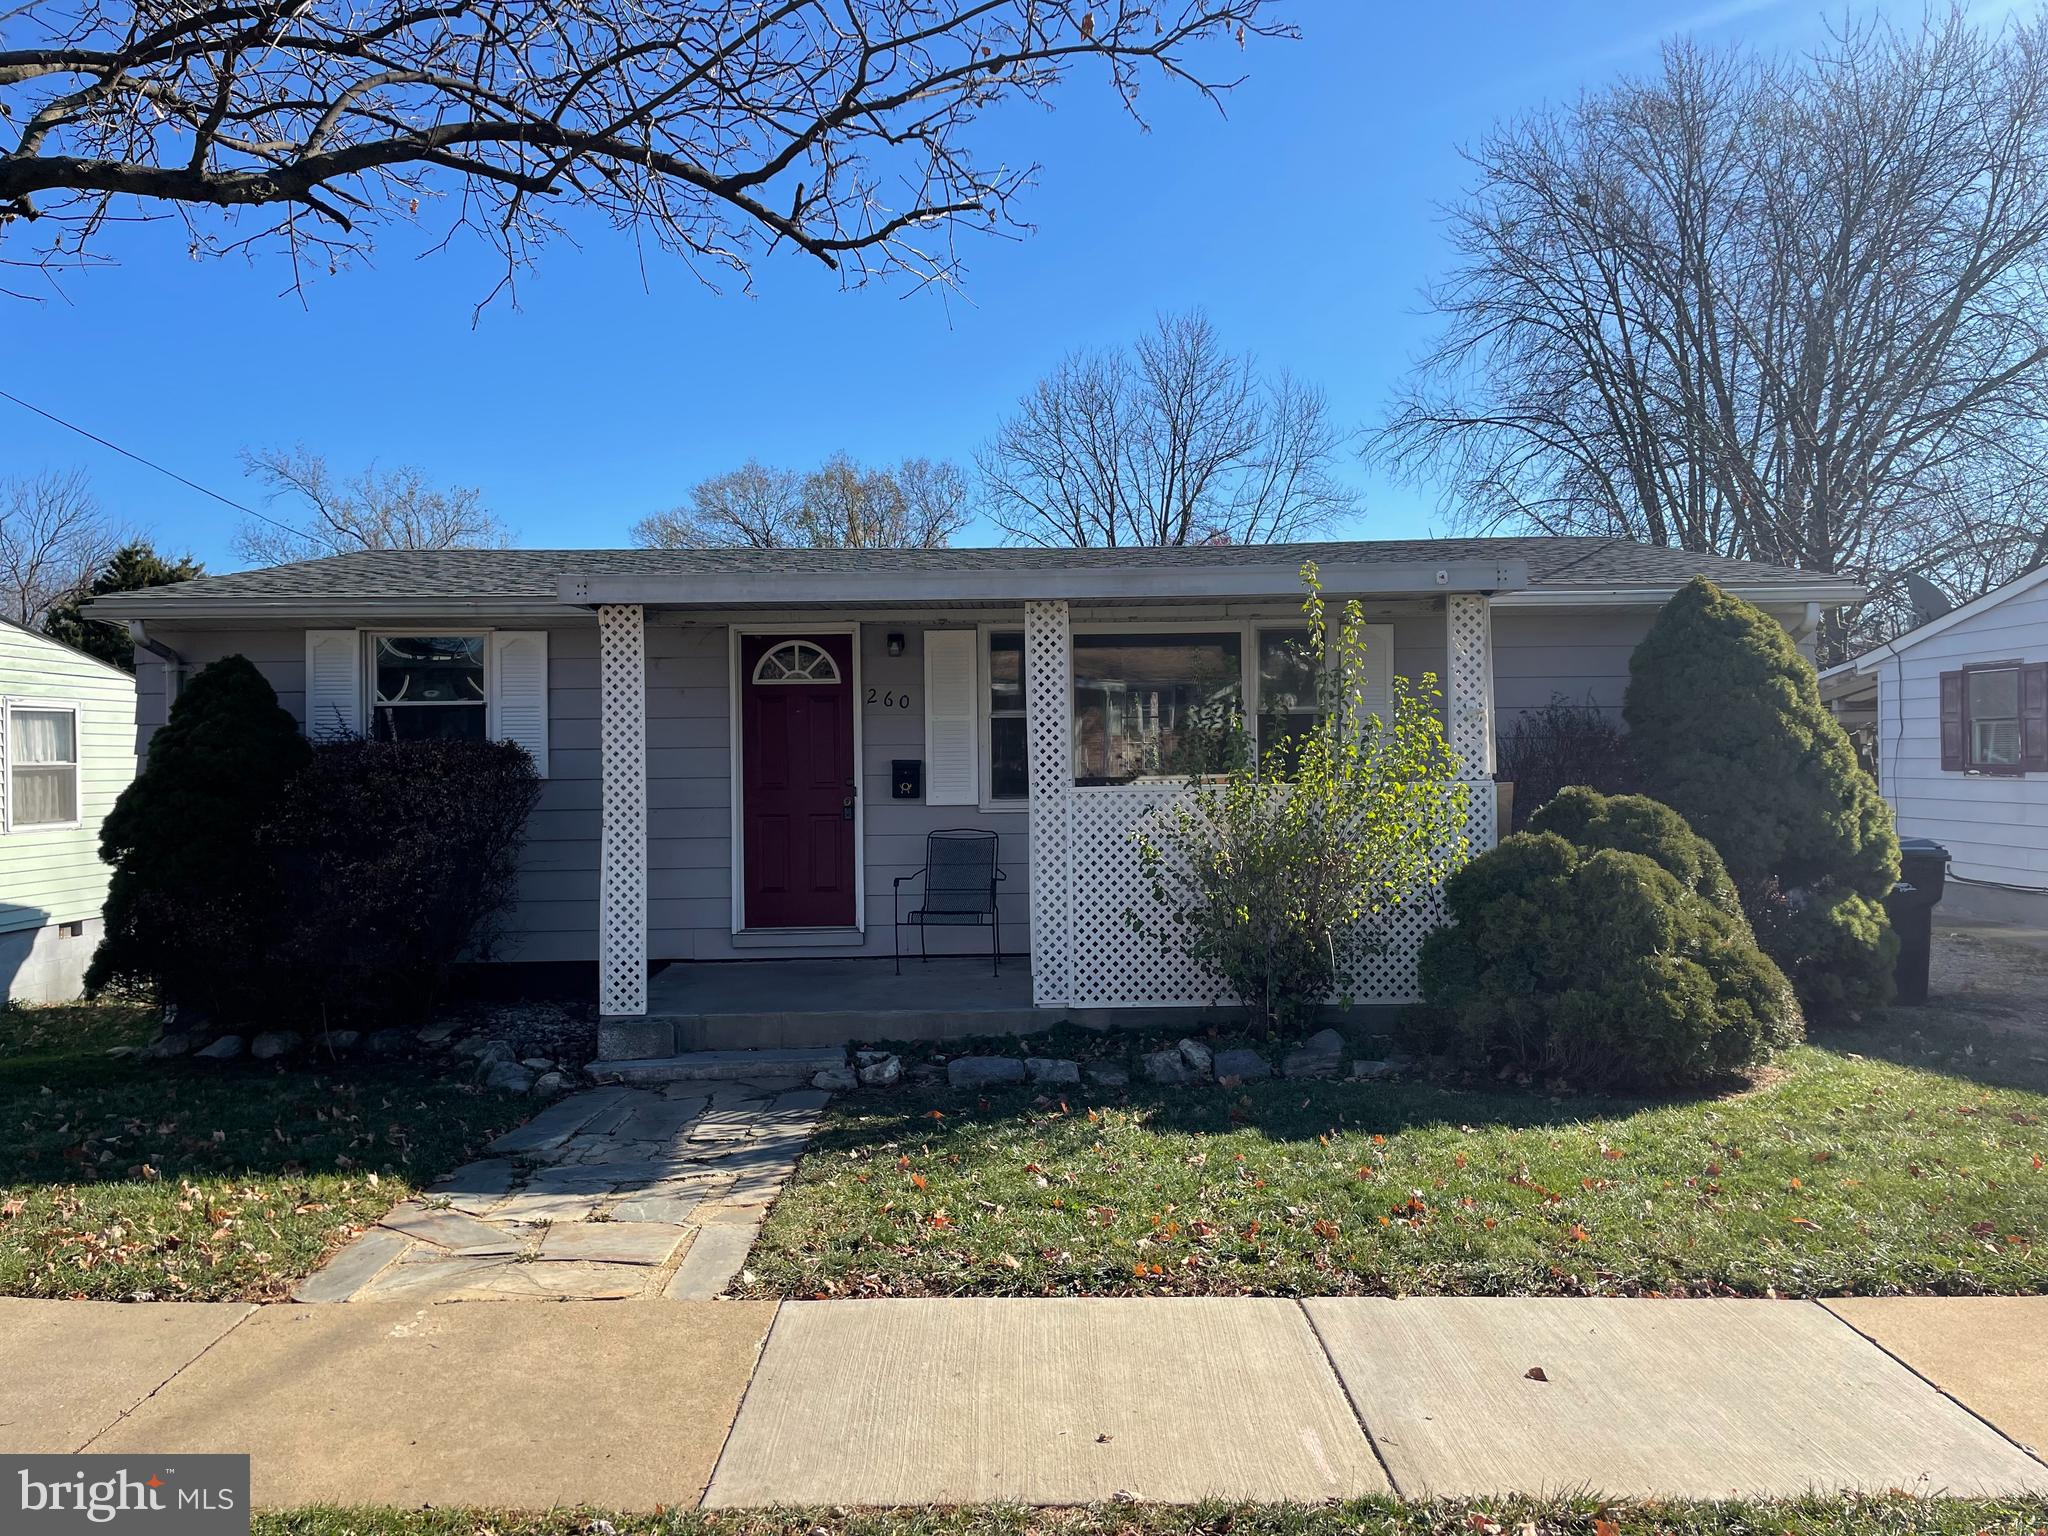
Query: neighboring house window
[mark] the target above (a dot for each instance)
(428, 687)
(1155, 705)
(1994, 719)
(42, 766)
(1008, 772)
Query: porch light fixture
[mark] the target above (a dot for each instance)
(895, 645)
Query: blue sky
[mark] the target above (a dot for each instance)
(1305, 222)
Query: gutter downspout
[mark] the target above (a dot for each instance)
(174, 664)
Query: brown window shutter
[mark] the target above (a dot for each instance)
(1952, 723)
(2034, 718)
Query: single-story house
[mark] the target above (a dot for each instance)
(67, 750)
(744, 749)
(1957, 728)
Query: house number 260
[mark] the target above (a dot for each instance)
(891, 699)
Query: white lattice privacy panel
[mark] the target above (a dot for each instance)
(1110, 965)
(1377, 960)
(622, 865)
(1049, 736)
(1469, 688)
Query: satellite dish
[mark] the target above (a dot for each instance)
(1929, 601)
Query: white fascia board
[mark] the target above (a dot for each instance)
(199, 612)
(1828, 594)
(1868, 661)
(1071, 583)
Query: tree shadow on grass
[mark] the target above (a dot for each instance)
(78, 1116)
(1279, 1110)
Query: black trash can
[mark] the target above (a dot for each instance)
(1923, 875)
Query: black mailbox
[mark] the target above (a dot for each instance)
(906, 779)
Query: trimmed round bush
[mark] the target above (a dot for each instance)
(1615, 957)
(1728, 729)
(191, 904)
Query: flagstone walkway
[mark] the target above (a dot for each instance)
(609, 1195)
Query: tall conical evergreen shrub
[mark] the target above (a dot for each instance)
(190, 908)
(1728, 729)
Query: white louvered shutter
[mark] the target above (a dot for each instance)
(951, 742)
(334, 683)
(519, 691)
(1377, 696)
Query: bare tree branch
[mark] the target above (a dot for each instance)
(920, 504)
(1175, 441)
(1784, 310)
(717, 127)
(372, 509)
(54, 538)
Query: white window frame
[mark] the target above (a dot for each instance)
(1248, 629)
(368, 647)
(984, 681)
(9, 703)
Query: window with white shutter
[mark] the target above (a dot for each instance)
(334, 683)
(519, 691)
(951, 734)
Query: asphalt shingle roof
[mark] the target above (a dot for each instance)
(1555, 564)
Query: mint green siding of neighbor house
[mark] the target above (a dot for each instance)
(52, 875)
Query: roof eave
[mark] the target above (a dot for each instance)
(1831, 594)
(1869, 660)
(1083, 584)
(296, 610)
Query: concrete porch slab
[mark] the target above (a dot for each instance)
(1678, 1399)
(74, 1367)
(1990, 1353)
(714, 1066)
(1055, 1401)
(619, 1404)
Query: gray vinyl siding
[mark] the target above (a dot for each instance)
(54, 874)
(1580, 654)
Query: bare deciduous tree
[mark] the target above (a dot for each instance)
(371, 509)
(1174, 441)
(920, 504)
(53, 538)
(711, 127)
(1783, 310)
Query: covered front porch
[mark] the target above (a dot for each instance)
(1082, 875)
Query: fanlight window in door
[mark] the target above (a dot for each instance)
(796, 661)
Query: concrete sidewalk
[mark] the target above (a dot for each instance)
(735, 1404)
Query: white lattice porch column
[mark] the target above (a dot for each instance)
(1049, 751)
(622, 862)
(1468, 697)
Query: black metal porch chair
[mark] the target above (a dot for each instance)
(960, 872)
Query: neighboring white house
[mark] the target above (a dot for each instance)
(1961, 743)
(67, 750)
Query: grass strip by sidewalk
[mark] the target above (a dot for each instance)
(1838, 1173)
(189, 1181)
(1888, 1516)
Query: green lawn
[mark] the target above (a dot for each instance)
(184, 1181)
(1838, 1172)
(1369, 1517)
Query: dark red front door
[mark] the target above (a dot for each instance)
(796, 715)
